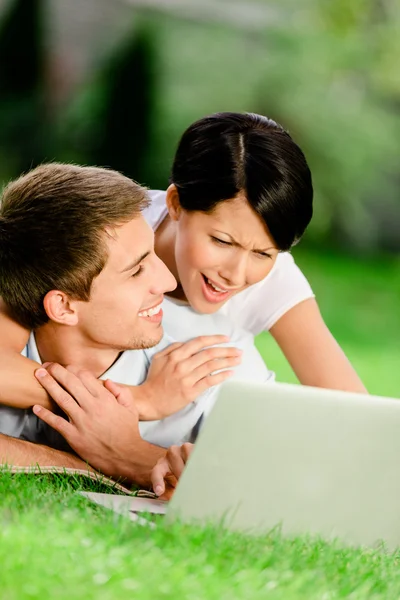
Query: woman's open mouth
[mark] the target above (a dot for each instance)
(212, 292)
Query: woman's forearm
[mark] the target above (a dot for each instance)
(313, 353)
(19, 387)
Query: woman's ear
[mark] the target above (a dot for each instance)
(60, 308)
(173, 204)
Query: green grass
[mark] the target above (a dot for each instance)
(359, 300)
(54, 544)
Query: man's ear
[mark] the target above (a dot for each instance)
(60, 308)
(173, 204)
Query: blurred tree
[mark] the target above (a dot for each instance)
(22, 110)
(110, 123)
(327, 70)
(323, 80)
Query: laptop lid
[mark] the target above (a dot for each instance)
(306, 459)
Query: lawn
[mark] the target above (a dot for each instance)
(53, 544)
(359, 300)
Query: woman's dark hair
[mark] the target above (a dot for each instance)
(227, 153)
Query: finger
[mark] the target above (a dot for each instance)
(168, 350)
(211, 380)
(170, 485)
(91, 383)
(197, 344)
(210, 360)
(172, 464)
(71, 383)
(209, 354)
(64, 400)
(175, 461)
(158, 474)
(121, 393)
(211, 366)
(58, 423)
(186, 451)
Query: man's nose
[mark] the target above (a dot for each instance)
(164, 281)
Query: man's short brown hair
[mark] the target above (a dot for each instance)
(52, 233)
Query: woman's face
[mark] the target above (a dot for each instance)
(220, 254)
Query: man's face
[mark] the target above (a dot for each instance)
(124, 311)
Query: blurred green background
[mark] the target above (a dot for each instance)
(115, 83)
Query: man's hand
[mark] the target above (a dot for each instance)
(168, 470)
(181, 372)
(101, 429)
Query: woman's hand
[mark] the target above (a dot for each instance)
(181, 372)
(168, 470)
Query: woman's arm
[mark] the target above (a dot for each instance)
(312, 351)
(178, 374)
(18, 385)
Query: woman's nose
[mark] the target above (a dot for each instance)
(234, 272)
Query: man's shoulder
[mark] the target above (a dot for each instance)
(132, 365)
(29, 350)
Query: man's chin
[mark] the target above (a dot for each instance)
(145, 342)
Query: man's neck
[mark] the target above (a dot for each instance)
(67, 346)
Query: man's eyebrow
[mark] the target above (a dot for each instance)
(135, 262)
(235, 243)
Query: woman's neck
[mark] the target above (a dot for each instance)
(164, 244)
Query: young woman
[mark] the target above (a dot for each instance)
(240, 197)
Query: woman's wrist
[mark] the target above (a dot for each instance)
(144, 400)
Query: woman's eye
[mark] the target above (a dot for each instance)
(136, 273)
(263, 255)
(218, 241)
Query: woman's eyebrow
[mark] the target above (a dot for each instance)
(229, 236)
(236, 243)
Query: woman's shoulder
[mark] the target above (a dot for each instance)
(157, 210)
(260, 306)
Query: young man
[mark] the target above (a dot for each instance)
(77, 267)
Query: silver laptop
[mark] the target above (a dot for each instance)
(303, 459)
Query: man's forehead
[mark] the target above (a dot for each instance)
(128, 241)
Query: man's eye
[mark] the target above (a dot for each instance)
(218, 241)
(136, 273)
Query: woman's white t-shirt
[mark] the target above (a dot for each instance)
(260, 306)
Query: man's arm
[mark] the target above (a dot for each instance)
(101, 429)
(18, 453)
